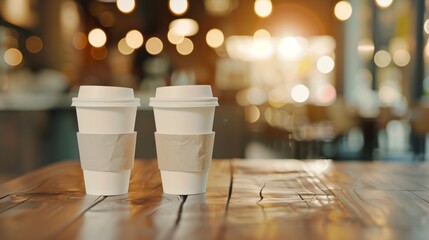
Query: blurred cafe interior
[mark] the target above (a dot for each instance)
(342, 80)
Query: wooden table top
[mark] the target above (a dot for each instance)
(245, 199)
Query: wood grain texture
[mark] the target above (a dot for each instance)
(245, 199)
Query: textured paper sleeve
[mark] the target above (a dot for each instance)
(184, 152)
(107, 152)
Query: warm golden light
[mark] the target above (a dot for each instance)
(173, 38)
(97, 37)
(69, 17)
(79, 40)
(178, 7)
(34, 44)
(154, 45)
(214, 38)
(291, 48)
(218, 7)
(365, 48)
(185, 47)
(382, 58)
(277, 97)
(99, 53)
(343, 10)
(18, 12)
(384, 3)
(13, 57)
(401, 57)
(256, 96)
(426, 26)
(263, 8)
(262, 34)
(124, 48)
(134, 39)
(300, 93)
(325, 64)
(184, 27)
(251, 114)
(125, 6)
(388, 94)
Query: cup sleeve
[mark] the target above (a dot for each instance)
(107, 152)
(184, 152)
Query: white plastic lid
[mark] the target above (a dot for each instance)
(184, 96)
(105, 96)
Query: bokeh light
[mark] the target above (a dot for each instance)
(401, 57)
(126, 6)
(262, 34)
(343, 10)
(384, 3)
(12, 57)
(256, 96)
(124, 48)
(251, 114)
(185, 47)
(241, 98)
(300, 93)
(291, 48)
(34, 44)
(97, 37)
(382, 58)
(173, 37)
(99, 53)
(178, 7)
(325, 64)
(366, 48)
(214, 38)
(134, 39)
(426, 26)
(263, 8)
(326, 94)
(154, 45)
(388, 95)
(79, 40)
(184, 27)
(277, 97)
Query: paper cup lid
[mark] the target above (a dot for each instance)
(178, 103)
(184, 91)
(105, 96)
(184, 96)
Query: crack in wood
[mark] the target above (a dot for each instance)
(97, 201)
(261, 197)
(231, 181)
(13, 205)
(179, 212)
(5, 196)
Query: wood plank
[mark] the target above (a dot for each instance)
(148, 213)
(377, 175)
(122, 217)
(36, 178)
(272, 198)
(203, 215)
(267, 199)
(52, 203)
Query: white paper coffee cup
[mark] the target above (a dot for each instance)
(106, 110)
(184, 110)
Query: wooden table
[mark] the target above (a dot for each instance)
(245, 199)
